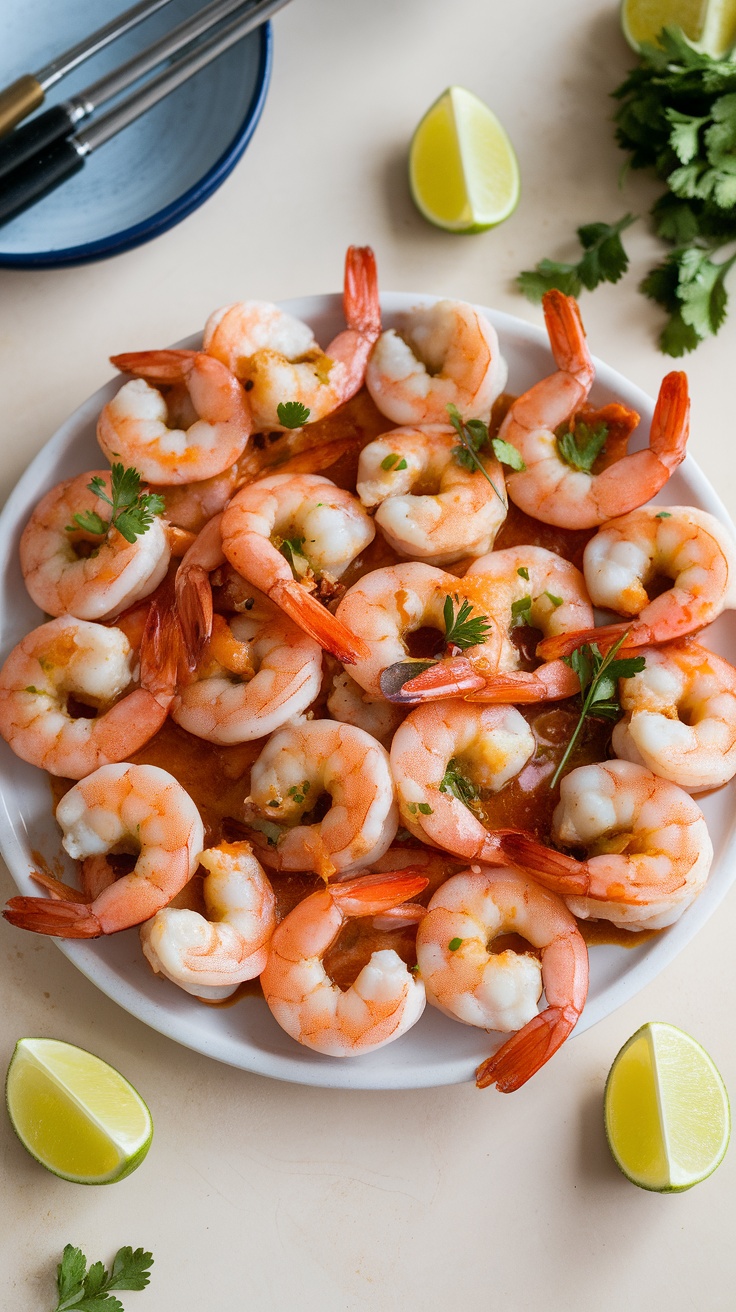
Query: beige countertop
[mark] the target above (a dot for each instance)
(263, 1195)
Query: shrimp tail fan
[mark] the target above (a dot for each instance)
(526, 1052)
(553, 870)
(361, 301)
(451, 678)
(369, 895)
(194, 608)
(45, 915)
(318, 622)
(671, 421)
(562, 644)
(159, 366)
(162, 651)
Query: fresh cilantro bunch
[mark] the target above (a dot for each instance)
(132, 511)
(83, 1290)
(676, 117)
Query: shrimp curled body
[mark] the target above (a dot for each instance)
(500, 991)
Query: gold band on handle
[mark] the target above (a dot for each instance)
(20, 98)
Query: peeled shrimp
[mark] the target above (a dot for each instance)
(680, 716)
(95, 664)
(551, 489)
(350, 704)
(686, 545)
(529, 586)
(258, 671)
(385, 1000)
(210, 955)
(500, 991)
(287, 531)
(486, 745)
(120, 808)
(195, 432)
(649, 851)
(72, 572)
(297, 765)
(430, 507)
(278, 359)
(384, 608)
(438, 355)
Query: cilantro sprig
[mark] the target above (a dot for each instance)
(474, 437)
(462, 628)
(292, 414)
(86, 1290)
(133, 511)
(603, 260)
(598, 677)
(580, 444)
(457, 783)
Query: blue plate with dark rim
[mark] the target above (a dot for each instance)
(160, 168)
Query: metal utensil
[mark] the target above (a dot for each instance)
(43, 130)
(47, 170)
(29, 91)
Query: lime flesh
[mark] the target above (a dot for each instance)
(666, 1110)
(463, 173)
(75, 1114)
(708, 24)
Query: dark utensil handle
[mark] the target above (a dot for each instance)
(32, 138)
(33, 180)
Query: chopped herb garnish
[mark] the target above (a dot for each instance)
(556, 601)
(298, 792)
(292, 414)
(508, 454)
(581, 445)
(454, 944)
(459, 785)
(598, 677)
(663, 514)
(523, 572)
(460, 629)
(394, 460)
(291, 548)
(133, 511)
(473, 438)
(425, 808)
(86, 1289)
(521, 610)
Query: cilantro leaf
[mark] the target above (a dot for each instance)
(690, 286)
(131, 1269)
(521, 610)
(580, 445)
(598, 676)
(603, 260)
(459, 785)
(507, 454)
(523, 572)
(88, 1291)
(291, 549)
(70, 1274)
(473, 437)
(460, 629)
(133, 511)
(292, 414)
(454, 944)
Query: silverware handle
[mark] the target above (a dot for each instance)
(123, 23)
(33, 180)
(20, 98)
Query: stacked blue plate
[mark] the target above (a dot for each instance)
(161, 167)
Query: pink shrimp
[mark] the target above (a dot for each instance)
(564, 491)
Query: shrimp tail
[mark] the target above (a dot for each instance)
(159, 366)
(553, 870)
(526, 1052)
(194, 607)
(370, 895)
(361, 303)
(551, 682)
(567, 336)
(671, 421)
(450, 678)
(637, 635)
(162, 651)
(318, 622)
(48, 916)
(59, 891)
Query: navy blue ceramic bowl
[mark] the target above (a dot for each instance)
(156, 171)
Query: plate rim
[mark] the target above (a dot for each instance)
(162, 220)
(306, 1067)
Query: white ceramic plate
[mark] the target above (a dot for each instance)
(437, 1050)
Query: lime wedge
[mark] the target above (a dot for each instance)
(666, 1110)
(75, 1114)
(708, 24)
(463, 173)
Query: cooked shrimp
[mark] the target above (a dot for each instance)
(198, 430)
(438, 355)
(348, 703)
(93, 664)
(446, 751)
(649, 851)
(72, 572)
(210, 955)
(384, 608)
(430, 507)
(296, 767)
(680, 716)
(625, 557)
(531, 587)
(500, 991)
(278, 359)
(287, 531)
(258, 671)
(120, 808)
(386, 998)
(556, 491)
